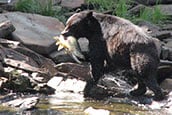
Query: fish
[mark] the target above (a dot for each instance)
(71, 46)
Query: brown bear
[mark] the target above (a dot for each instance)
(115, 42)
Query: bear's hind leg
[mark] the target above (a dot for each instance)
(152, 84)
(145, 65)
(141, 90)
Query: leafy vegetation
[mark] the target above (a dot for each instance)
(121, 8)
(117, 7)
(102, 5)
(154, 15)
(46, 8)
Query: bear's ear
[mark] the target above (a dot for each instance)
(89, 14)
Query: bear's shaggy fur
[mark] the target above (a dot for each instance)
(117, 43)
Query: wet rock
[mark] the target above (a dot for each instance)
(23, 103)
(34, 31)
(92, 111)
(71, 4)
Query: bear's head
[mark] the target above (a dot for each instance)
(82, 24)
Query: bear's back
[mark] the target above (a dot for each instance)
(129, 32)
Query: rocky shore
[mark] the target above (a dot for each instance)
(31, 64)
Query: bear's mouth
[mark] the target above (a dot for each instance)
(71, 45)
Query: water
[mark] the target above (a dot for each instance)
(53, 105)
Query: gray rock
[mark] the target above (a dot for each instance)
(169, 44)
(161, 35)
(153, 2)
(167, 40)
(34, 31)
(92, 111)
(72, 3)
(136, 10)
(167, 84)
(166, 9)
(23, 103)
(60, 56)
(151, 27)
(6, 28)
(67, 85)
(167, 27)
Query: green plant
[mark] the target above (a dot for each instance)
(102, 5)
(145, 14)
(35, 6)
(158, 15)
(44, 8)
(154, 15)
(121, 8)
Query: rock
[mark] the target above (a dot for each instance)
(167, 40)
(4, 2)
(78, 71)
(83, 42)
(54, 82)
(161, 35)
(166, 9)
(92, 111)
(154, 2)
(169, 44)
(167, 84)
(34, 31)
(6, 28)
(166, 53)
(151, 28)
(71, 4)
(66, 85)
(27, 70)
(60, 56)
(167, 27)
(23, 103)
(137, 9)
(3, 80)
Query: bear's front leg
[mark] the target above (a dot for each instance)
(97, 71)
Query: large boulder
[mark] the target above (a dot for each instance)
(34, 31)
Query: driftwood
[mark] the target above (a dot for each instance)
(6, 28)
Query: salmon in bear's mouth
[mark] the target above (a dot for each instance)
(71, 45)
